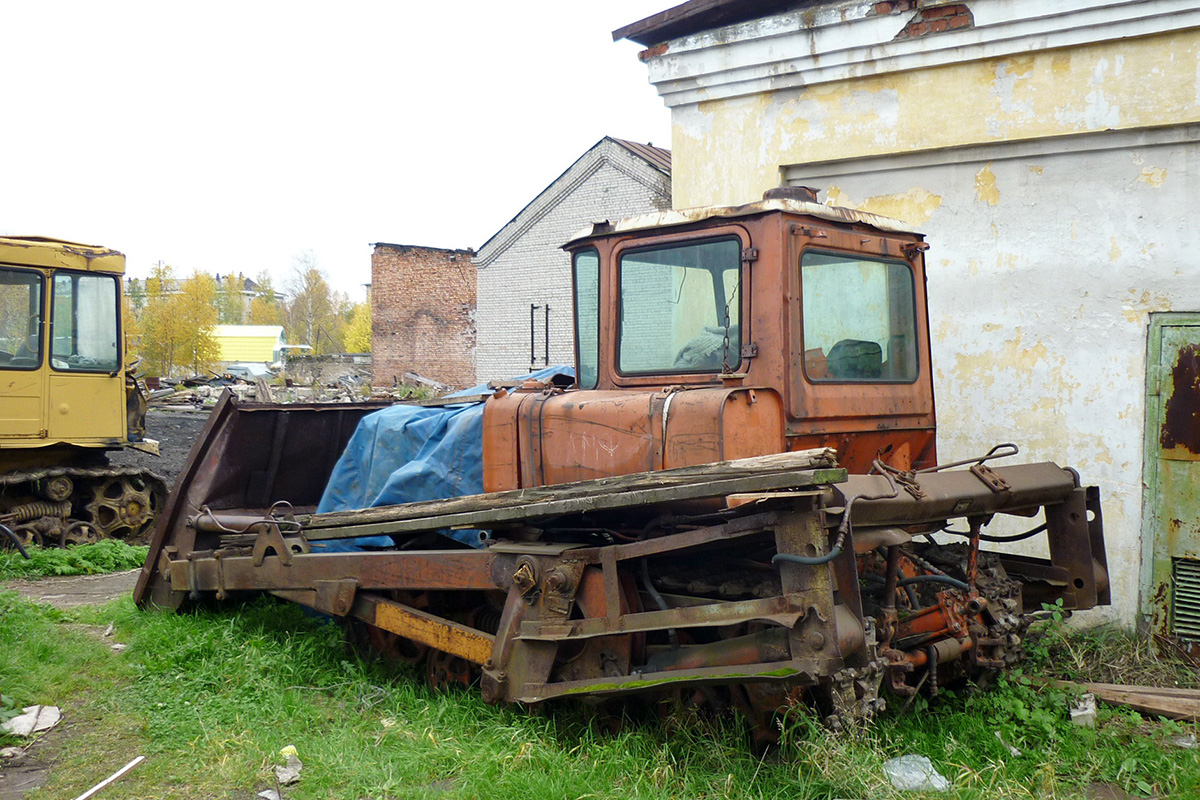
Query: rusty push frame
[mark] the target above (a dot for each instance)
(752, 584)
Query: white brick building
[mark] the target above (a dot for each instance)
(522, 265)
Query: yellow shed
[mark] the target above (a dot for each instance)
(250, 342)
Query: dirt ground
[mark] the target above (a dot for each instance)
(176, 431)
(77, 590)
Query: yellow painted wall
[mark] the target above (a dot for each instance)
(248, 348)
(730, 151)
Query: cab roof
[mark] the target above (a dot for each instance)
(50, 253)
(687, 216)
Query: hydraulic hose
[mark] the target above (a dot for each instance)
(842, 530)
(16, 542)
(946, 579)
(811, 561)
(1016, 537)
(903, 583)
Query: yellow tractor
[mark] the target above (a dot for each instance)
(67, 399)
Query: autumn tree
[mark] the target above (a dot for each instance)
(197, 317)
(231, 300)
(358, 332)
(158, 311)
(137, 295)
(265, 308)
(131, 326)
(177, 322)
(315, 314)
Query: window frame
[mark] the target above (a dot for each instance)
(41, 335)
(859, 256)
(592, 250)
(120, 333)
(731, 234)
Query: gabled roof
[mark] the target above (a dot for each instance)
(657, 158)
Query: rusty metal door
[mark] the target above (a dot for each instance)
(1172, 532)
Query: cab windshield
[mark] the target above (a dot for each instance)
(859, 319)
(680, 308)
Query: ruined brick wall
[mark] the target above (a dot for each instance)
(422, 314)
(524, 264)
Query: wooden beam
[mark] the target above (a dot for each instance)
(762, 473)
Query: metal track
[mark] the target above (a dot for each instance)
(11, 478)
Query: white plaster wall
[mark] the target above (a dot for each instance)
(1042, 272)
(533, 269)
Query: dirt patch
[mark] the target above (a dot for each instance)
(77, 590)
(25, 771)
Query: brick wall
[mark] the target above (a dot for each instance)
(422, 314)
(928, 17)
(523, 264)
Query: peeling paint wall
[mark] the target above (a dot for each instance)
(1042, 274)
(742, 141)
(1053, 162)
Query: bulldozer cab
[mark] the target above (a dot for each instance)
(825, 306)
(61, 375)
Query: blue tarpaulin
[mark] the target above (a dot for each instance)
(404, 453)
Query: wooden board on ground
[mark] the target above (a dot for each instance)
(1181, 704)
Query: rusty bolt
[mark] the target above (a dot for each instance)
(559, 581)
(524, 578)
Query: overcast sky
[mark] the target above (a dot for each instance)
(233, 136)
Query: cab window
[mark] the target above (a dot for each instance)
(680, 308)
(587, 318)
(83, 330)
(859, 319)
(20, 319)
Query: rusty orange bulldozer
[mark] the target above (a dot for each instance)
(735, 502)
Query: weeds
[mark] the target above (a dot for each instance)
(211, 697)
(110, 555)
(1107, 654)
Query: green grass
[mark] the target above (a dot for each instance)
(110, 555)
(211, 697)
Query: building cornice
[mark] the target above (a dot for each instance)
(849, 40)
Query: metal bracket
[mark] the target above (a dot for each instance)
(270, 538)
(217, 556)
(750, 350)
(335, 597)
(749, 255)
(990, 478)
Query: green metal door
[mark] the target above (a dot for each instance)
(1172, 533)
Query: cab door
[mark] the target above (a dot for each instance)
(87, 389)
(22, 379)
